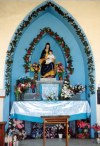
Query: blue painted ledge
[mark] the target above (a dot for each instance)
(40, 120)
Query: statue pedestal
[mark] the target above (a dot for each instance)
(49, 87)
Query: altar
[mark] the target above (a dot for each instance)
(34, 110)
(49, 87)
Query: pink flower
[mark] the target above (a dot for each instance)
(19, 124)
(82, 124)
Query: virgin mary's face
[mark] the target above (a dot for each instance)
(47, 48)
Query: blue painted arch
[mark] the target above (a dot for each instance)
(49, 17)
(47, 35)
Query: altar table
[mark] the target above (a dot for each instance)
(55, 120)
(33, 110)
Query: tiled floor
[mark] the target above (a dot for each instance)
(59, 142)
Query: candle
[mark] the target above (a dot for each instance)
(14, 143)
(10, 140)
(14, 140)
(17, 143)
(6, 140)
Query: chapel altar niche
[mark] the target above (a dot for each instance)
(48, 86)
(69, 45)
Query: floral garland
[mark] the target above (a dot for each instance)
(59, 40)
(25, 24)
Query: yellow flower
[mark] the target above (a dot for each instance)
(31, 68)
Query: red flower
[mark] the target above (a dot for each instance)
(33, 86)
(39, 36)
(27, 59)
(57, 38)
(96, 127)
(82, 124)
(63, 44)
(26, 69)
(59, 68)
(29, 52)
(51, 33)
(67, 55)
(41, 33)
(35, 40)
(67, 50)
(81, 135)
(69, 65)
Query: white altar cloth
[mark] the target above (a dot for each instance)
(30, 110)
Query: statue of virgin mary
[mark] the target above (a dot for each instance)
(47, 60)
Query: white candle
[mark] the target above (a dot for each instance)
(17, 143)
(14, 143)
(14, 140)
(8, 140)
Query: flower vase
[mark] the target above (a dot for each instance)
(98, 134)
(36, 75)
(98, 137)
(60, 78)
(60, 136)
(98, 140)
(17, 99)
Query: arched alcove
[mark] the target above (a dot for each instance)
(51, 15)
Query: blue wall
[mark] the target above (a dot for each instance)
(48, 20)
(51, 19)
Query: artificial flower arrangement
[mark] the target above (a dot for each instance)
(96, 128)
(60, 128)
(68, 91)
(83, 129)
(35, 67)
(22, 85)
(77, 89)
(52, 131)
(16, 127)
(51, 97)
(59, 70)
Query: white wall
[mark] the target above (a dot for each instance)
(1, 109)
(86, 12)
